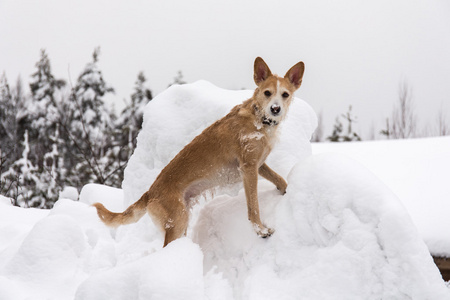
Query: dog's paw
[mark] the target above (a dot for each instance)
(282, 188)
(263, 232)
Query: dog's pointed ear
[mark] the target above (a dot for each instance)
(295, 74)
(261, 71)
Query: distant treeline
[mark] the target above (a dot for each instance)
(402, 124)
(53, 136)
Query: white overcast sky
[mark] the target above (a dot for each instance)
(356, 52)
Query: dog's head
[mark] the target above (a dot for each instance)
(274, 94)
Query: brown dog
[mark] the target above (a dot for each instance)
(233, 148)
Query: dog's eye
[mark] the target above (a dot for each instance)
(268, 93)
(285, 95)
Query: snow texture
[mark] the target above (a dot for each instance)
(340, 233)
(417, 171)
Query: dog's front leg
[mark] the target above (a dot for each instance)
(250, 178)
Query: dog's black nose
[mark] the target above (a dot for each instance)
(275, 109)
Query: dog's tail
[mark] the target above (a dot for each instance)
(131, 215)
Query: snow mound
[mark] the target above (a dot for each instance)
(340, 234)
(176, 116)
(175, 273)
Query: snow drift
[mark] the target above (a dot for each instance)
(340, 233)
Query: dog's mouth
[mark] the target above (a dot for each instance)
(269, 121)
(265, 120)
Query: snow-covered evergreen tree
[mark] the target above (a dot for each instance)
(91, 128)
(6, 140)
(87, 101)
(41, 119)
(12, 132)
(45, 85)
(43, 113)
(7, 118)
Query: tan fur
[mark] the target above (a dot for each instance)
(233, 148)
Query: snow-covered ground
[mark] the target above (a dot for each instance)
(341, 233)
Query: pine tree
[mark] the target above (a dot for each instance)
(6, 136)
(41, 121)
(45, 85)
(7, 119)
(89, 128)
(43, 114)
(11, 134)
(87, 99)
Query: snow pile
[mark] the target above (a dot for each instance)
(417, 171)
(340, 233)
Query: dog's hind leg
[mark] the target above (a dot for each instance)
(171, 215)
(176, 225)
(174, 233)
(273, 177)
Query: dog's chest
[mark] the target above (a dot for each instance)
(262, 139)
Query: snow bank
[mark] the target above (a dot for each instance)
(15, 223)
(175, 273)
(417, 171)
(340, 233)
